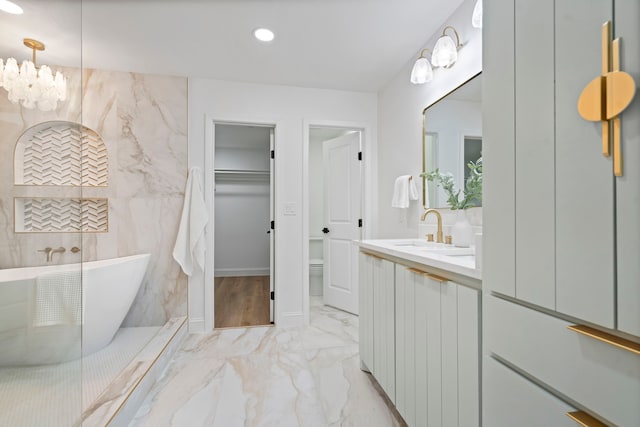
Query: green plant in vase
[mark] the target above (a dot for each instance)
(469, 196)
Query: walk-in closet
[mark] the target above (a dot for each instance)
(243, 249)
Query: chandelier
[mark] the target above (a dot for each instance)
(32, 86)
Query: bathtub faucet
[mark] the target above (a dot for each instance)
(50, 251)
(60, 250)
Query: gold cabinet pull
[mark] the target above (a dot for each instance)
(585, 419)
(437, 278)
(607, 96)
(622, 343)
(416, 271)
(429, 275)
(372, 255)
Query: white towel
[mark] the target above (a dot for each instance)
(404, 190)
(190, 244)
(58, 298)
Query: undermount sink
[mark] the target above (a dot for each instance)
(424, 246)
(452, 251)
(418, 244)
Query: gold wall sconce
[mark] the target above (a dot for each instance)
(607, 96)
(444, 55)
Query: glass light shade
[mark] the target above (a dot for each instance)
(32, 87)
(421, 72)
(445, 53)
(476, 19)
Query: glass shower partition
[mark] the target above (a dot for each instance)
(42, 217)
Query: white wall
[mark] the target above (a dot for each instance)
(289, 108)
(400, 106)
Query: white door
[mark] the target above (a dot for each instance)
(342, 210)
(272, 217)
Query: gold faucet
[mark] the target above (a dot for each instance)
(439, 217)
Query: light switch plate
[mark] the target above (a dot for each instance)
(290, 208)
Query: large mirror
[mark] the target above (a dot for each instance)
(451, 138)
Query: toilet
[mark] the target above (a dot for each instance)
(315, 277)
(316, 264)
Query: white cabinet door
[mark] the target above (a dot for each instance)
(384, 360)
(628, 186)
(535, 152)
(366, 310)
(449, 317)
(437, 350)
(406, 342)
(512, 400)
(564, 186)
(584, 188)
(469, 357)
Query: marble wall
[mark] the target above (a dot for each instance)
(143, 122)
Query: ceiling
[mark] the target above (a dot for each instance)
(355, 45)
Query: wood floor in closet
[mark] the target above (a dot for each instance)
(241, 301)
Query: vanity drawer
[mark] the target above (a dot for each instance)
(512, 400)
(603, 378)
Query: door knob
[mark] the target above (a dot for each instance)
(325, 230)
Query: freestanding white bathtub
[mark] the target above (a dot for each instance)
(107, 292)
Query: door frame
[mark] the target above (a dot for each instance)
(209, 185)
(368, 182)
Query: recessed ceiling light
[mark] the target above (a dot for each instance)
(264, 34)
(10, 7)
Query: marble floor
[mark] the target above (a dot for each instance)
(266, 376)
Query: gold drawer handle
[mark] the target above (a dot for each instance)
(429, 275)
(585, 419)
(416, 271)
(372, 255)
(622, 343)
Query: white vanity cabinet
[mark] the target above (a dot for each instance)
(377, 319)
(561, 232)
(437, 350)
(420, 339)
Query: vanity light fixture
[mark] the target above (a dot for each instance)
(10, 7)
(421, 72)
(32, 86)
(445, 52)
(445, 55)
(264, 34)
(476, 19)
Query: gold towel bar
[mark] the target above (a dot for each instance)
(585, 419)
(605, 337)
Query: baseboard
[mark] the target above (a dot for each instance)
(241, 272)
(290, 320)
(196, 325)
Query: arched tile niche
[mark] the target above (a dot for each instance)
(60, 154)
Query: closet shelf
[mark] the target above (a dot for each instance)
(240, 172)
(242, 175)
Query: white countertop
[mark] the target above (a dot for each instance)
(459, 261)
